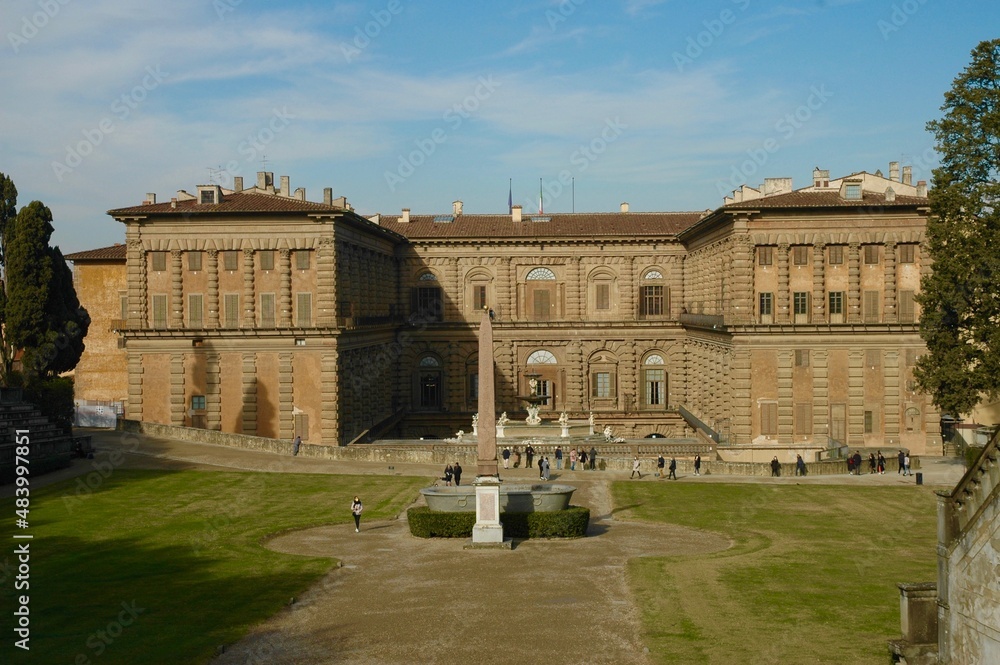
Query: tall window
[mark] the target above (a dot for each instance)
(654, 379)
(907, 311)
(837, 302)
(800, 255)
(800, 306)
(765, 255)
(230, 260)
(906, 253)
(267, 310)
(541, 294)
(871, 254)
(474, 386)
(769, 419)
(159, 311)
(871, 422)
(196, 311)
(601, 384)
(302, 259)
(603, 296)
(479, 296)
(266, 258)
(803, 418)
(652, 300)
(429, 383)
(231, 310)
(303, 309)
(159, 261)
(802, 357)
(426, 305)
(194, 261)
(836, 254)
(871, 307)
(765, 307)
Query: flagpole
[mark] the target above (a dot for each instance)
(510, 195)
(574, 194)
(541, 204)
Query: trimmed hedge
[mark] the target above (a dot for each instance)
(569, 523)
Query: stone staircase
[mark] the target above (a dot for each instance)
(50, 447)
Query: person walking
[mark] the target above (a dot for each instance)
(673, 468)
(583, 460)
(775, 467)
(593, 458)
(872, 463)
(572, 460)
(558, 458)
(506, 457)
(295, 445)
(900, 457)
(448, 473)
(517, 457)
(800, 466)
(635, 468)
(356, 509)
(660, 463)
(546, 468)
(697, 465)
(881, 463)
(457, 471)
(906, 465)
(850, 465)
(529, 453)
(857, 463)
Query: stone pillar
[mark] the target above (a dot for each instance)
(782, 306)
(178, 409)
(453, 284)
(249, 306)
(819, 285)
(576, 379)
(628, 290)
(330, 416)
(249, 393)
(176, 290)
(742, 405)
(286, 396)
(212, 275)
(821, 395)
(213, 396)
(889, 313)
(626, 376)
(135, 370)
(326, 297)
(856, 397)
(136, 269)
(890, 365)
(786, 411)
(575, 302)
(741, 281)
(681, 284)
(285, 288)
(854, 282)
(454, 378)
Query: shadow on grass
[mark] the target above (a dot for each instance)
(121, 601)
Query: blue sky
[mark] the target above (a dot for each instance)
(395, 103)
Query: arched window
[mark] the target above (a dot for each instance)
(425, 303)
(540, 274)
(429, 381)
(541, 357)
(601, 297)
(653, 297)
(654, 381)
(479, 291)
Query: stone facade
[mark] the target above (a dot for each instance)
(783, 317)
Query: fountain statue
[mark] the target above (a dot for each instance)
(475, 424)
(533, 417)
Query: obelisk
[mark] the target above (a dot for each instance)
(487, 532)
(487, 447)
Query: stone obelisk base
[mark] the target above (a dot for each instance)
(488, 532)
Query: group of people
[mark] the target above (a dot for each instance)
(453, 472)
(876, 463)
(672, 467)
(512, 457)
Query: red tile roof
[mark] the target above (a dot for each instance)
(573, 225)
(242, 202)
(114, 253)
(831, 199)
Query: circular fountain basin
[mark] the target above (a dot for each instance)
(514, 498)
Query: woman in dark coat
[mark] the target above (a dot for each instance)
(448, 472)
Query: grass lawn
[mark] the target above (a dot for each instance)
(170, 564)
(811, 577)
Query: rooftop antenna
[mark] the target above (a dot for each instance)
(263, 161)
(215, 175)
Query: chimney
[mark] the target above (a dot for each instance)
(773, 186)
(907, 175)
(921, 188)
(300, 193)
(894, 171)
(405, 219)
(456, 208)
(173, 203)
(624, 207)
(285, 186)
(328, 196)
(238, 183)
(515, 213)
(890, 195)
(150, 199)
(264, 180)
(821, 177)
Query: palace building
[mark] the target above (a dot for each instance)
(785, 317)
